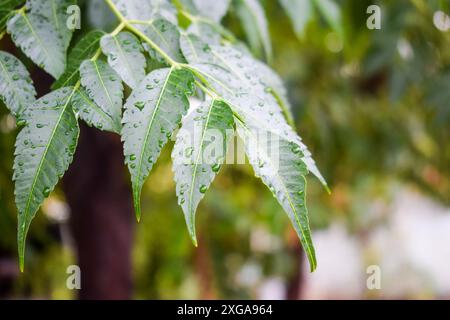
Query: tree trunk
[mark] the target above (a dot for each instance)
(102, 216)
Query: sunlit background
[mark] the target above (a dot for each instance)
(373, 106)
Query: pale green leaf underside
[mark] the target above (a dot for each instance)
(152, 112)
(214, 10)
(39, 40)
(199, 152)
(125, 56)
(254, 21)
(283, 171)
(4, 16)
(166, 36)
(44, 150)
(104, 87)
(332, 14)
(299, 12)
(54, 11)
(16, 88)
(92, 114)
(84, 49)
(247, 84)
(147, 10)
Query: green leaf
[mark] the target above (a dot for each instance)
(299, 12)
(16, 86)
(4, 16)
(92, 114)
(247, 84)
(332, 14)
(255, 25)
(214, 10)
(39, 40)
(125, 56)
(166, 36)
(197, 51)
(10, 4)
(84, 49)
(104, 87)
(199, 152)
(283, 171)
(44, 150)
(147, 10)
(153, 111)
(54, 11)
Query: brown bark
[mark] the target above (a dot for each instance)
(102, 216)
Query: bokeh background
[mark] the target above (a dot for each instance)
(373, 106)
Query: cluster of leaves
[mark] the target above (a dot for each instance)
(239, 94)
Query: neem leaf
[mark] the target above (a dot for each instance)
(125, 56)
(44, 150)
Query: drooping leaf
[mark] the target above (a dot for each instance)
(125, 56)
(54, 11)
(44, 150)
(92, 114)
(103, 86)
(147, 10)
(39, 40)
(254, 22)
(299, 12)
(199, 152)
(16, 87)
(153, 111)
(332, 14)
(214, 10)
(4, 16)
(283, 171)
(84, 49)
(166, 36)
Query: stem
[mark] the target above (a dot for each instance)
(2, 34)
